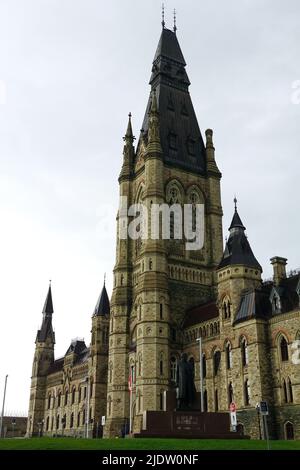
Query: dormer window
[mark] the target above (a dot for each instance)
(275, 301)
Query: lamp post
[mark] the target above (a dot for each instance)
(3, 405)
(87, 415)
(201, 372)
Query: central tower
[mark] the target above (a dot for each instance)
(157, 281)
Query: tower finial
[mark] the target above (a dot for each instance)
(174, 16)
(163, 15)
(104, 279)
(50, 282)
(235, 203)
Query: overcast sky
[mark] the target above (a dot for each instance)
(70, 71)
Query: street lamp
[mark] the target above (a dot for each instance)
(3, 405)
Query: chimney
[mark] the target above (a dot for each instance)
(279, 271)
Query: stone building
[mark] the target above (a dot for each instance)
(165, 295)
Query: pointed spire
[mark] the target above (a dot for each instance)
(163, 16)
(174, 16)
(48, 305)
(129, 137)
(102, 305)
(46, 331)
(236, 220)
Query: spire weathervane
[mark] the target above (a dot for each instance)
(235, 203)
(174, 16)
(163, 16)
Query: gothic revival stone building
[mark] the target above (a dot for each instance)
(165, 296)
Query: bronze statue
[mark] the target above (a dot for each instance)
(185, 383)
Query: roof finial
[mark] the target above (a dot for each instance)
(235, 203)
(104, 279)
(50, 282)
(163, 16)
(174, 27)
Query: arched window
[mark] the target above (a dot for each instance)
(173, 368)
(49, 401)
(109, 406)
(204, 366)
(91, 388)
(72, 420)
(64, 421)
(78, 419)
(138, 401)
(217, 362)
(83, 416)
(230, 393)
(57, 422)
(59, 399)
(66, 397)
(244, 352)
(289, 431)
(48, 423)
(211, 330)
(290, 389)
(216, 401)
(284, 349)
(160, 311)
(73, 395)
(285, 395)
(247, 392)
(228, 356)
(52, 423)
(161, 366)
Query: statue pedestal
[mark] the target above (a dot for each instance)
(186, 424)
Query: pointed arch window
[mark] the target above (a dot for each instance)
(204, 366)
(205, 400)
(228, 356)
(284, 349)
(217, 362)
(73, 395)
(57, 422)
(173, 368)
(289, 431)
(72, 420)
(290, 389)
(244, 352)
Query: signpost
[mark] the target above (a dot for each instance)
(264, 411)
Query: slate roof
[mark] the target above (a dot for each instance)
(200, 313)
(238, 249)
(102, 305)
(254, 303)
(180, 135)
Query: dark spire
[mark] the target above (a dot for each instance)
(48, 306)
(102, 306)
(236, 220)
(238, 249)
(180, 137)
(46, 330)
(129, 137)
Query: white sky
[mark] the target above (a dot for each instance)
(70, 71)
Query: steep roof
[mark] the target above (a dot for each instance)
(46, 330)
(254, 303)
(102, 306)
(180, 135)
(238, 249)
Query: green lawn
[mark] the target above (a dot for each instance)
(142, 444)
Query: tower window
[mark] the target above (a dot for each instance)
(284, 350)
(228, 356)
(160, 311)
(173, 369)
(217, 362)
(230, 393)
(247, 392)
(244, 352)
(216, 401)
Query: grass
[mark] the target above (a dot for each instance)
(142, 444)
